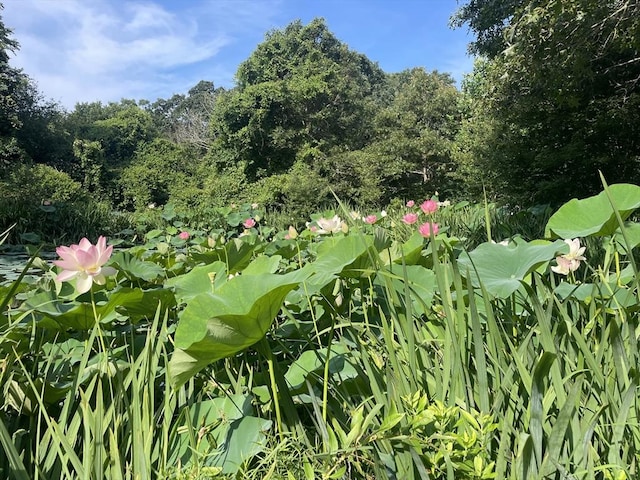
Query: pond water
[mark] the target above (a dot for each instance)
(12, 264)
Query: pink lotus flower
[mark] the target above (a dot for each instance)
(84, 262)
(565, 266)
(249, 223)
(292, 233)
(184, 235)
(428, 229)
(429, 206)
(575, 250)
(570, 262)
(410, 218)
(370, 219)
(410, 204)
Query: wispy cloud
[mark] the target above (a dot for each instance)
(88, 50)
(107, 50)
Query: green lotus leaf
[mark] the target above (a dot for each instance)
(245, 439)
(236, 253)
(218, 325)
(410, 251)
(198, 280)
(594, 215)
(421, 284)
(632, 231)
(263, 264)
(583, 292)
(312, 362)
(343, 256)
(233, 434)
(501, 268)
(134, 267)
(134, 303)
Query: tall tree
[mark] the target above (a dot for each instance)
(299, 95)
(13, 83)
(415, 134)
(563, 97)
(184, 119)
(488, 20)
(105, 140)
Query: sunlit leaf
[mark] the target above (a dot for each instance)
(594, 215)
(501, 268)
(200, 279)
(136, 268)
(217, 325)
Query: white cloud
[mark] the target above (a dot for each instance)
(79, 50)
(89, 50)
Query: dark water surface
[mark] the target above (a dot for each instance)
(12, 264)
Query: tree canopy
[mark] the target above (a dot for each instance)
(553, 100)
(299, 95)
(560, 93)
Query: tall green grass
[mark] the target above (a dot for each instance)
(375, 375)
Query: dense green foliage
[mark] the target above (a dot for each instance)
(557, 97)
(553, 100)
(247, 332)
(364, 352)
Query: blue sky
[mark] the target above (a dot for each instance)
(106, 50)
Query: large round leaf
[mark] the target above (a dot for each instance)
(500, 268)
(198, 280)
(408, 252)
(351, 256)
(217, 325)
(136, 268)
(594, 215)
(132, 303)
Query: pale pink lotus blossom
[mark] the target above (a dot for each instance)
(504, 243)
(570, 262)
(429, 206)
(575, 250)
(84, 262)
(249, 223)
(184, 235)
(410, 218)
(428, 229)
(329, 225)
(565, 266)
(292, 233)
(370, 219)
(410, 204)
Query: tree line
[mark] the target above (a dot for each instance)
(553, 99)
